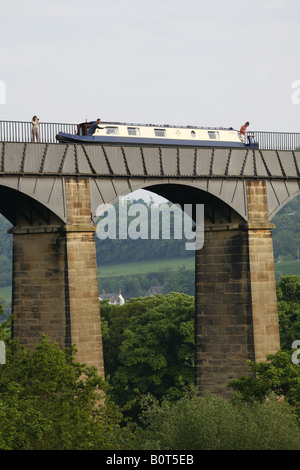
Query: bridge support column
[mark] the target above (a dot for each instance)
(236, 306)
(55, 285)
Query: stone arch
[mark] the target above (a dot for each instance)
(22, 209)
(32, 201)
(216, 210)
(280, 193)
(284, 203)
(225, 201)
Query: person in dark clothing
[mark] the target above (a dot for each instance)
(94, 126)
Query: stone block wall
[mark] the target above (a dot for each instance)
(55, 284)
(236, 306)
(223, 330)
(39, 291)
(262, 273)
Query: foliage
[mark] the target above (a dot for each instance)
(48, 401)
(132, 286)
(149, 346)
(137, 285)
(182, 281)
(5, 238)
(288, 301)
(1, 313)
(5, 271)
(3, 303)
(277, 376)
(211, 423)
(5, 253)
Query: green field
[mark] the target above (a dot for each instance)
(143, 267)
(285, 268)
(281, 269)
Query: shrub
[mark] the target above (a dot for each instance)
(211, 423)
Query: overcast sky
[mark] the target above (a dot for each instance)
(181, 62)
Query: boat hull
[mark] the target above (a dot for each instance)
(100, 140)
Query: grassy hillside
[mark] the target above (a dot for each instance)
(287, 268)
(281, 269)
(144, 267)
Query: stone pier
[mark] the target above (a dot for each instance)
(55, 285)
(236, 307)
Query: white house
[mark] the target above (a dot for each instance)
(114, 299)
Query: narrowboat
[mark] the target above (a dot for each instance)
(151, 134)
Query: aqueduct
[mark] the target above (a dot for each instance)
(50, 194)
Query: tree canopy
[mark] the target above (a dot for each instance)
(149, 346)
(49, 401)
(288, 302)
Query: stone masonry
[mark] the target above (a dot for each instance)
(55, 286)
(236, 309)
(262, 274)
(85, 326)
(39, 290)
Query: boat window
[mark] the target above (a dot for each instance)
(133, 131)
(193, 133)
(213, 134)
(112, 130)
(160, 132)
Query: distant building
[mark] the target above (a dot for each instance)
(114, 299)
(154, 290)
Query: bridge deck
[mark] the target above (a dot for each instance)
(147, 161)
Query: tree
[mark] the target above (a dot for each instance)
(212, 423)
(277, 376)
(5, 271)
(181, 281)
(48, 401)
(149, 346)
(288, 301)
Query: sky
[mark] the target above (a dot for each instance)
(181, 62)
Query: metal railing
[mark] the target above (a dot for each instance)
(21, 131)
(277, 140)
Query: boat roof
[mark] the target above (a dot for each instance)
(160, 125)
